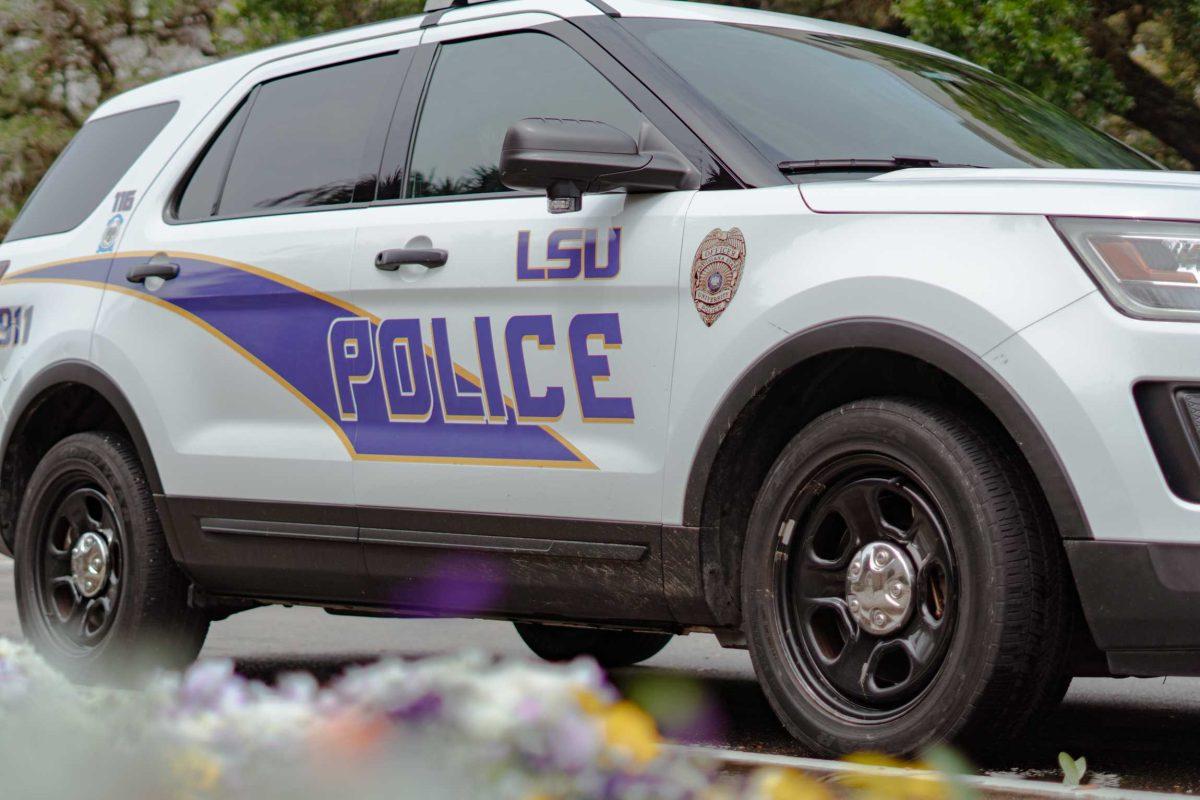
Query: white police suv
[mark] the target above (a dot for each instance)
(619, 319)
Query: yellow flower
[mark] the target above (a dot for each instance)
(626, 726)
(925, 786)
(196, 772)
(790, 784)
(590, 702)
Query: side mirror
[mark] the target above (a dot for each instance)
(568, 158)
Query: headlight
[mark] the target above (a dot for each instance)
(1148, 269)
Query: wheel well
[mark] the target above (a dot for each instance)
(775, 414)
(56, 413)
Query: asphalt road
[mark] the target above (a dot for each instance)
(1136, 734)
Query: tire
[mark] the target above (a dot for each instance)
(609, 648)
(961, 635)
(129, 614)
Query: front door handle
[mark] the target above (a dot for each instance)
(392, 260)
(159, 266)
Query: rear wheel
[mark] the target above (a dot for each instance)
(609, 648)
(97, 590)
(900, 585)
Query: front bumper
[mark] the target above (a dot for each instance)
(1137, 563)
(1142, 603)
(1076, 371)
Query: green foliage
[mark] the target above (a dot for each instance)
(1074, 769)
(1036, 43)
(60, 58)
(1182, 19)
(954, 767)
(251, 24)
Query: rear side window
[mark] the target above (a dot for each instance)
(88, 170)
(309, 140)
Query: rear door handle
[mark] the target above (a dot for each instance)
(159, 266)
(392, 260)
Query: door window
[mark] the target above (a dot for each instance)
(481, 87)
(309, 140)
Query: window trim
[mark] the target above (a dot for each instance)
(175, 198)
(42, 182)
(436, 49)
(732, 151)
(644, 100)
(171, 209)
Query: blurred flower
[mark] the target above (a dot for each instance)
(926, 785)
(352, 736)
(789, 784)
(195, 771)
(682, 707)
(424, 708)
(464, 726)
(627, 728)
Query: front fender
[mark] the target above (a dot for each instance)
(946, 289)
(907, 339)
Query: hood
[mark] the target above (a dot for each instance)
(1147, 194)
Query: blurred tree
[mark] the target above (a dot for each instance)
(878, 14)
(60, 58)
(1133, 68)
(251, 24)
(1112, 62)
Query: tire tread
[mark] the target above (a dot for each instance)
(1026, 657)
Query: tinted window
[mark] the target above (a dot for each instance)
(199, 197)
(479, 88)
(799, 96)
(88, 170)
(313, 139)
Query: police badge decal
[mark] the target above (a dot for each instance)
(717, 271)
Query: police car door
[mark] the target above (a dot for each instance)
(225, 345)
(513, 408)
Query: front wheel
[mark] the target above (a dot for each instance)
(609, 648)
(98, 593)
(901, 585)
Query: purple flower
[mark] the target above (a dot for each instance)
(425, 708)
(211, 685)
(574, 744)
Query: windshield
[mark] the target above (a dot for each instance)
(800, 96)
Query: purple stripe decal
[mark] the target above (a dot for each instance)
(288, 329)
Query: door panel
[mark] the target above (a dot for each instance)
(225, 352)
(530, 395)
(547, 395)
(230, 355)
(524, 384)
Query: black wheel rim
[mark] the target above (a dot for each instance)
(77, 599)
(845, 506)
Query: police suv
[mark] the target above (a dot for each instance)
(619, 319)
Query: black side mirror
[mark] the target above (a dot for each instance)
(567, 158)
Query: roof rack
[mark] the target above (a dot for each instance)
(441, 6)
